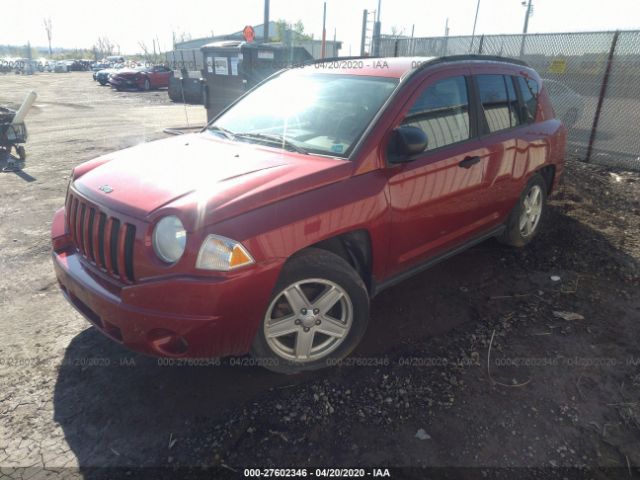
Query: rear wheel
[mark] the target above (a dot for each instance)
(524, 220)
(317, 315)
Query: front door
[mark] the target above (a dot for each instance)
(437, 199)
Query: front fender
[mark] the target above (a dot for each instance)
(282, 229)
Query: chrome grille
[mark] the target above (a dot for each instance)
(105, 241)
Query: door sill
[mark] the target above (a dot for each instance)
(430, 262)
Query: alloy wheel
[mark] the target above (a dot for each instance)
(531, 211)
(308, 320)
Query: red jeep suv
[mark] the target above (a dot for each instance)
(270, 230)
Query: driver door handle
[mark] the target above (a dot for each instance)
(469, 162)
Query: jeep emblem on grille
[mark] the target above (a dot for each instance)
(105, 188)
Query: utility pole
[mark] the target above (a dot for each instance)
(324, 32)
(376, 33)
(527, 15)
(363, 38)
(265, 26)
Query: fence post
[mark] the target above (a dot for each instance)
(603, 92)
(395, 47)
(481, 43)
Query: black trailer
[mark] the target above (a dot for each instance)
(232, 69)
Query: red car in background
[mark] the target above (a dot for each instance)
(142, 78)
(270, 230)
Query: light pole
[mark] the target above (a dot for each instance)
(528, 4)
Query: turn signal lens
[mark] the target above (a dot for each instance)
(222, 254)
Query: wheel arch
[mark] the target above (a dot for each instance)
(548, 173)
(354, 247)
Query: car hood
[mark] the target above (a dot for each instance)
(205, 178)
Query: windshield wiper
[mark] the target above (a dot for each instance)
(274, 139)
(227, 133)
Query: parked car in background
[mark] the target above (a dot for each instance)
(61, 66)
(96, 67)
(115, 59)
(567, 103)
(6, 64)
(141, 78)
(102, 77)
(270, 231)
(25, 66)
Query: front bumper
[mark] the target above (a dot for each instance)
(124, 83)
(182, 316)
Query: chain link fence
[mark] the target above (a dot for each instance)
(592, 78)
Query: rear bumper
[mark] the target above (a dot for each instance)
(172, 316)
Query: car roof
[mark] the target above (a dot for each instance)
(397, 67)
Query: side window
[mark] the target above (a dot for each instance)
(513, 102)
(442, 112)
(529, 91)
(499, 101)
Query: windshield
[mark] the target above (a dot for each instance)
(307, 112)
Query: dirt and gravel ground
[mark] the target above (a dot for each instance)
(470, 364)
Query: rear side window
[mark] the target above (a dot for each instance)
(529, 91)
(513, 102)
(499, 101)
(442, 112)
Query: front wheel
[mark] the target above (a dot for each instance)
(524, 220)
(147, 85)
(317, 315)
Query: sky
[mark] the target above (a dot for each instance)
(78, 23)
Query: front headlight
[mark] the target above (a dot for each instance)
(222, 254)
(169, 239)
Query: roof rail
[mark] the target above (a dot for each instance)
(488, 58)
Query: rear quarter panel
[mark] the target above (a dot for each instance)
(538, 144)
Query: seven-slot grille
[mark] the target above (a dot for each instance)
(105, 241)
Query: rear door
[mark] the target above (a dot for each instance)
(504, 128)
(436, 198)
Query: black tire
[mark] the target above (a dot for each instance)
(513, 235)
(314, 263)
(102, 82)
(147, 85)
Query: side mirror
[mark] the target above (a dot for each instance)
(406, 142)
